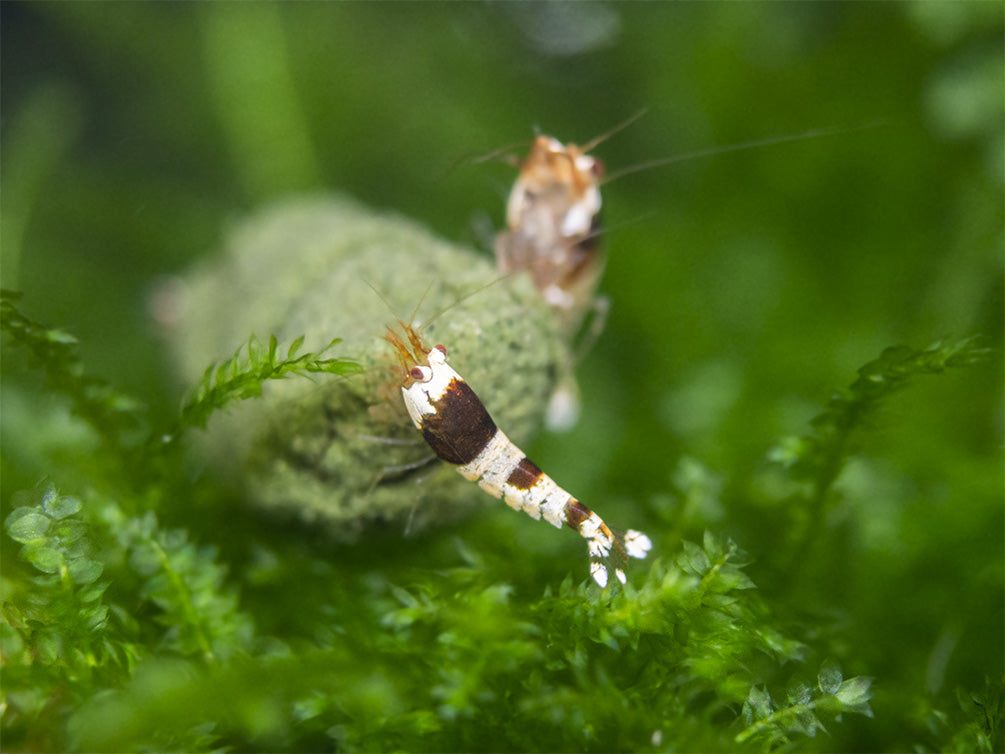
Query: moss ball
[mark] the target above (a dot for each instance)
(341, 453)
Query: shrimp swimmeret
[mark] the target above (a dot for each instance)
(456, 425)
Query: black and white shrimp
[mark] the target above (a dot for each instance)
(456, 425)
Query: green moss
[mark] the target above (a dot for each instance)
(135, 636)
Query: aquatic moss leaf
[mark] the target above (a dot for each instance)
(26, 525)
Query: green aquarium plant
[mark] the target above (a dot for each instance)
(127, 628)
(219, 529)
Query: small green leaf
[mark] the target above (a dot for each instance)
(855, 692)
(255, 350)
(84, 570)
(830, 677)
(251, 390)
(733, 578)
(29, 702)
(59, 336)
(27, 524)
(694, 560)
(712, 546)
(96, 617)
(49, 646)
(45, 559)
(799, 694)
(68, 533)
(10, 640)
(760, 702)
(806, 723)
(12, 614)
(48, 493)
(92, 593)
(223, 371)
(62, 506)
(144, 559)
(788, 451)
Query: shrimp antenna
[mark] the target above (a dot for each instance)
(503, 150)
(411, 317)
(474, 158)
(593, 143)
(771, 141)
(465, 297)
(429, 287)
(598, 140)
(383, 298)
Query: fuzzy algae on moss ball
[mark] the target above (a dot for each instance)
(324, 449)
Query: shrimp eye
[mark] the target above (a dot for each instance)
(419, 374)
(598, 168)
(442, 349)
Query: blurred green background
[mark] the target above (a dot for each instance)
(745, 287)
